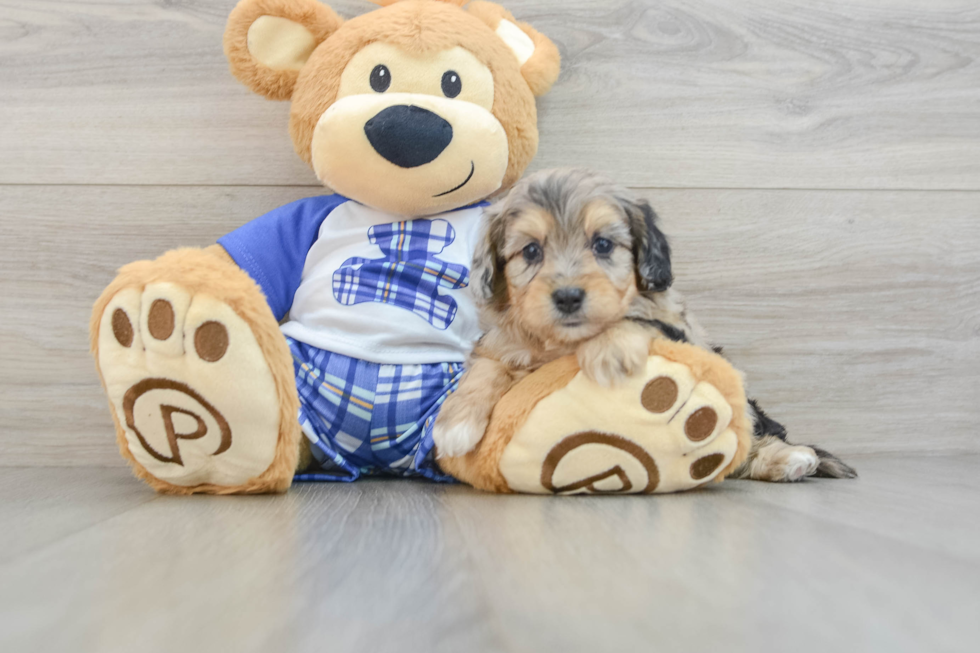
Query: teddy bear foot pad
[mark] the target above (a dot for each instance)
(189, 386)
(663, 431)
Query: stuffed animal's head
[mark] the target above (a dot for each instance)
(416, 108)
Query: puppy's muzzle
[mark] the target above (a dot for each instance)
(408, 136)
(568, 300)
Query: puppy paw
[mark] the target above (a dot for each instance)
(801, 463)
(612, 357)
(778, 462)
(458, 428)
(457, 439)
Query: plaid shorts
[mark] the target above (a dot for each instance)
(367, 418)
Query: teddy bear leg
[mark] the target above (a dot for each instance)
(199, 378)
(678, 424)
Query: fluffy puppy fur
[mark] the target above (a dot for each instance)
(571, 263)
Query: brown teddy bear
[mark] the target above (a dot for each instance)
(413, 114)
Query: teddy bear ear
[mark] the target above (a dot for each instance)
(537, 56)
(267, 42)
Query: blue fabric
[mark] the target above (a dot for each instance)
(409, 275)
(366, 418)
(272, 249)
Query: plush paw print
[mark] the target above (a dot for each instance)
(189, 386)
(664, 430)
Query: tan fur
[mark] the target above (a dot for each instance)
(273, 84)
(419, 26)
(481, 467)
(467, 411)
(534, 309)
(711, 368)
(618, 352)
(599, 214)
(387, 3)
(526, 338)
(541, 70)
(567, 261)
(213, 272)
(530, 225)
(416, 27)
(524, 331)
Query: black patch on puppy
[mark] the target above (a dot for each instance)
(651, 252)
(670, 332)
(488, 264)
(765, 425)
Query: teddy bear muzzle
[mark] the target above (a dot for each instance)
(410, 154)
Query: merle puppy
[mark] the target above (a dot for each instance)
(577, 231)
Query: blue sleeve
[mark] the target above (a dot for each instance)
(272, 249)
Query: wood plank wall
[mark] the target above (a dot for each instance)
(817, 165)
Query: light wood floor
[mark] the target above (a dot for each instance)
(817, 166)
(90, 560)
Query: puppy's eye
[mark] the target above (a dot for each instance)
(602, 246)
(452, 85)
(532, 253)
(380, 78)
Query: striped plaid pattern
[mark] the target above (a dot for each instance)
(409, 275)
(366, 418)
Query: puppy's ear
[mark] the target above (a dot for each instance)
(537, 56)
(651, 253)
(487, 274)
(267, 42)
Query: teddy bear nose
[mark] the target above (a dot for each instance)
(408, 136)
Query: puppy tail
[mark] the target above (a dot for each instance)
(831, 466)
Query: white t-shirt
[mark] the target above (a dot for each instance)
(373, 286)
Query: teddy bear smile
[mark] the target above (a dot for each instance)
(465, 181)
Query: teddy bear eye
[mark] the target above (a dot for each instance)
(451, 84)
(380, 78)
(532, 253)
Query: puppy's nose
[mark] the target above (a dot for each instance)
(568, 300)
(408, 136)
